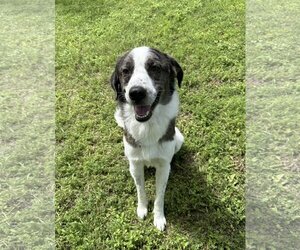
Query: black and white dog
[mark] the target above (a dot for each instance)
(148, 103)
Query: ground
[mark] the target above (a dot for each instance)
(95, 194)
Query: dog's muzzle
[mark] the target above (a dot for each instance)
(142, 112)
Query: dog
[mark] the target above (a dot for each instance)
(144, 81)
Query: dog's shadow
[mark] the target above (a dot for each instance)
(191, 205)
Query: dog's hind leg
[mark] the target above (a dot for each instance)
(179, 139)
(162, 175)
(137, 172)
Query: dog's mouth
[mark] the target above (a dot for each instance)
(144, 112)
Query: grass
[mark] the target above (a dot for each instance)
(273, 106)
(27, 125)
(95, 195)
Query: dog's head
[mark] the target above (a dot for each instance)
(145, 77)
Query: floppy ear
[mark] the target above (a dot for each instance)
(115, 84)
(177, 70)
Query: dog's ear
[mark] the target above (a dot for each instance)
(177, 70)
(116, 84)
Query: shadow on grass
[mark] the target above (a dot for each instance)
(193, 208)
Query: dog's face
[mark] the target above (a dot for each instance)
(143, 78)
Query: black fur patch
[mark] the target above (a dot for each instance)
(130, 139)
(121, 76)
(170, 132)
(163, 70)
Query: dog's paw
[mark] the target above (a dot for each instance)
(141, 212)
(160, 222)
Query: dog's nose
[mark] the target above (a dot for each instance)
(137, 94)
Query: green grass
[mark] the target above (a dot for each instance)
(27, 125)
(273, 114)
(95, 194)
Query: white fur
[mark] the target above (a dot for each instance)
(140, 76)
(147, 134)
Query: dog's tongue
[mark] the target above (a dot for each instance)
(141, 110)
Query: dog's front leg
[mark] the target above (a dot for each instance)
(137, 172)
(162, 175)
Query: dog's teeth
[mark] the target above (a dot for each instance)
(144, 116)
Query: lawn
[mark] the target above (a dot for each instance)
(95, 194)
(273, 115)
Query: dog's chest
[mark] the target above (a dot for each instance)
(146, 134)
(147, 142)
(150, 155)
(153, 140)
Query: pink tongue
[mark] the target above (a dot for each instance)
(142, 110)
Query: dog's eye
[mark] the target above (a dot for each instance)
(155, 68)
(125, 71)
